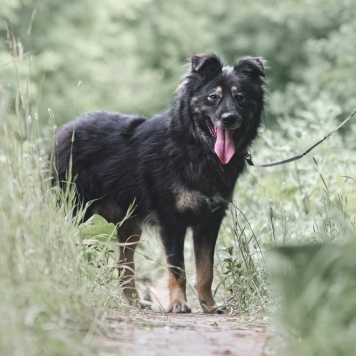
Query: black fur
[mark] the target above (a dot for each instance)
(168, 164)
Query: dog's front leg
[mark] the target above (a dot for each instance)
(204, 237)
(173, 241)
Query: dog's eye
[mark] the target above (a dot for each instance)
(240, 98)
(213, 97)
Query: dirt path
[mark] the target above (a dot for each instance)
(149, 333)
(154, 334)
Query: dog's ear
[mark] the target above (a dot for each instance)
(252, 66)
(206, 64)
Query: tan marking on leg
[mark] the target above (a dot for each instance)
(178, 298)
(126, 262)
(127, 268)
(204, 279)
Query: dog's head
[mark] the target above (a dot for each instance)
(226, 103)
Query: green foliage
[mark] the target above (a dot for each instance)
(317, 285)
(128, 56)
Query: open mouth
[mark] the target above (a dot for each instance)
(212, 129)
(224, 145)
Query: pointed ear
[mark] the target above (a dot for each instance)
(252, 66)
(206, 64)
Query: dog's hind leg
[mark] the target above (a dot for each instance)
(173, 241)
(204, 238)
(129, 234)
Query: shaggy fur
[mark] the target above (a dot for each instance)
(179, 167)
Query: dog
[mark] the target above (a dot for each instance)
(179, 168)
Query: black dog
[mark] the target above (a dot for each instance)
(179, 167)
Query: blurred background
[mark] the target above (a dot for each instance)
(61, 58)
(129, 55)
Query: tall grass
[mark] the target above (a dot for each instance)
(52, 298)
(47, 301)
(241, 269)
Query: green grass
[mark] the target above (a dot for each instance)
(53, 295)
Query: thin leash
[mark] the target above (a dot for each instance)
(249, 158)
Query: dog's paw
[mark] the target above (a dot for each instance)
(179, 307)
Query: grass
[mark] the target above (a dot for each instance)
(50, 292)
(53, 296)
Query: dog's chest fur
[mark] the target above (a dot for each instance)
(194, 200)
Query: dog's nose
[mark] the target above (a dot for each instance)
(229, 119)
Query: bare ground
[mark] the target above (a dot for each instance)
(185, 334)
(150, 333)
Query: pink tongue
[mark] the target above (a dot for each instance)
(224, 146)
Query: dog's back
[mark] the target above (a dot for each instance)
(99, 153)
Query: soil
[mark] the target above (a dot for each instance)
(150, 333)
